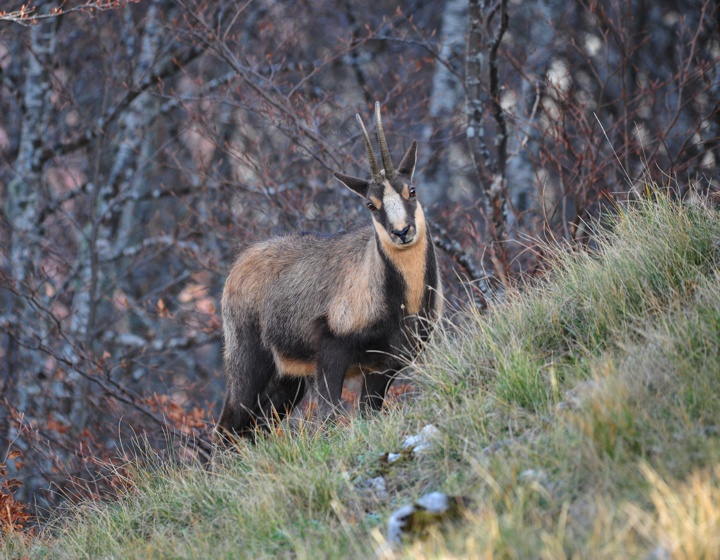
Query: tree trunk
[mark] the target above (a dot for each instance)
(446, 99)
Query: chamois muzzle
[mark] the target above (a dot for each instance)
(404, 236)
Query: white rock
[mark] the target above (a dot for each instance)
(392, 457)
(429, 509)
(434, 502)
(396, 523)
(423, 441)
(378, 487)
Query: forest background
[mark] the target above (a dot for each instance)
(142, 143)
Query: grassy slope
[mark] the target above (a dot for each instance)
(621, 466)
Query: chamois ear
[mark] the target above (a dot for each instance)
(358, 186)
(407, 165)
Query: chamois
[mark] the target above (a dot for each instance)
(356, 302)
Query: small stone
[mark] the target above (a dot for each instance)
(575, 396)
(392, 457)
(423, 441)
(434, 502)
(378, 487)
(396, 523)
(429, 510)
(538, 475)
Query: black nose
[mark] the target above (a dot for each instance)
(402, 233)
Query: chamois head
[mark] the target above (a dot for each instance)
(390, 193)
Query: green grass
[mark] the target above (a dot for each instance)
(581, 417)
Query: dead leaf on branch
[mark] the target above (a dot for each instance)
(14, 515)
(197, 418)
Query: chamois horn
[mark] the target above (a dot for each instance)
(384, 152)
(374, 168)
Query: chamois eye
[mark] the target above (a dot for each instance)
(412, 192)
(371, 206)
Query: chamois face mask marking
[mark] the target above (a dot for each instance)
(394, 208)
(395, 219)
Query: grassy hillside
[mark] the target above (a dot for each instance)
(579, 418)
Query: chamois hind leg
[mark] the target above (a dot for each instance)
(279, 400)
(250, 368)
(375, 386)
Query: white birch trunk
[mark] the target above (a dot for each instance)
(446, 99)
(22, 211)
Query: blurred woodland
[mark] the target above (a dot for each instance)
(142, 143)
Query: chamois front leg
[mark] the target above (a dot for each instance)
(332, 365)
(374, 389)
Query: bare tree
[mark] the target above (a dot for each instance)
(488, 23)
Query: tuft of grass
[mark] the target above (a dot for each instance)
(581, 417)
(686, 518)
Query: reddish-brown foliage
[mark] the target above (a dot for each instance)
(15, 516)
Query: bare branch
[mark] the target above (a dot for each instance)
(28, 14)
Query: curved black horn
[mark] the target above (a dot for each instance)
(384, 152)
(374, 168)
